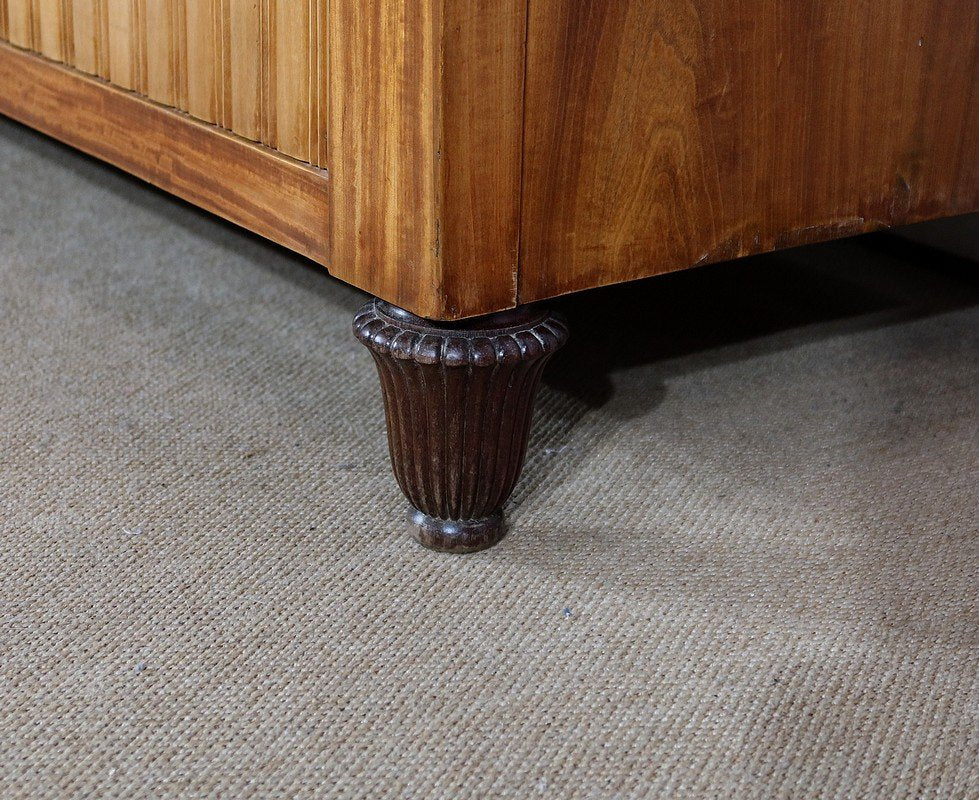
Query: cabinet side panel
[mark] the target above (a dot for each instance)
(664, 135)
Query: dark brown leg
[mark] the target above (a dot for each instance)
(459, 399)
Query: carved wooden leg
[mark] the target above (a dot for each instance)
(459, 400)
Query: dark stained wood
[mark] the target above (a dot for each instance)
(661, 135)
(249, 184)
(459, 401)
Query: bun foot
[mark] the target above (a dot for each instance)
(459, 400)
(456, 535)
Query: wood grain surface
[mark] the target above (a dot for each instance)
(425, 150)
(249, 184)
(663, 135)
(381, 143)
(480, 142)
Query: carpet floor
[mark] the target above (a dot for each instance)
(743, 563)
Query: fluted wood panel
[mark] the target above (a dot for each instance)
(253, 186)
(255, 67)
(414, 108)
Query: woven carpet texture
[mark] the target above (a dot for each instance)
(743, 560)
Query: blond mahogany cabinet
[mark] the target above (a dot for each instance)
(464, 160)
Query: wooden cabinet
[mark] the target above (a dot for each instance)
(458, 157)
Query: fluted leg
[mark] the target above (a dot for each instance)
(459, 400)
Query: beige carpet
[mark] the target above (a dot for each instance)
(744, 560)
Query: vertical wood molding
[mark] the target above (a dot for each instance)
(49, 28)
(34, 25)
(68, 31)
(84, 27)
(179, 54)
(245, 22)
(122, 57)
(102, 38)
(159, 68)
(19, 22)
(322, 73)
(140, 45)
(222, 80)
(293, 53)
(201, 57)
(312, 89)
(267, 104)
